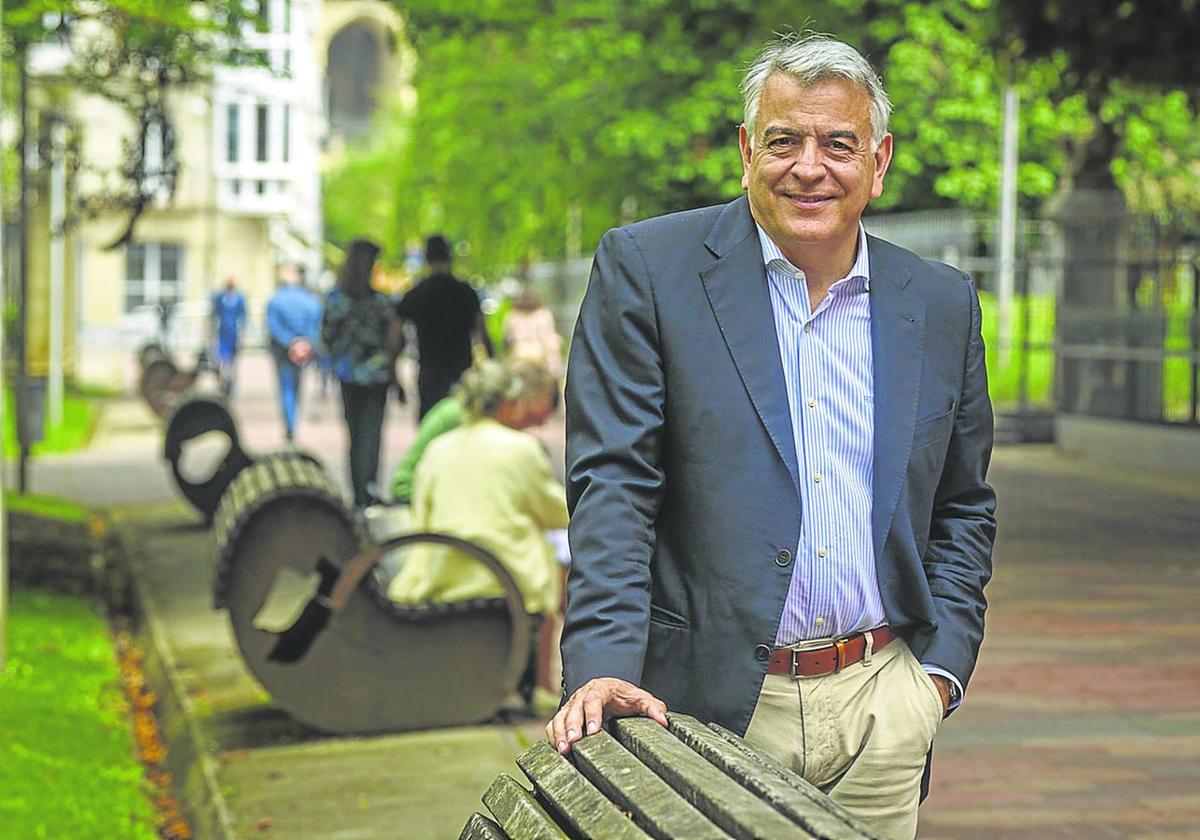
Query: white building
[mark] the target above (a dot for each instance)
(247, 197)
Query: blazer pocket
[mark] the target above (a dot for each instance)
(933, 429)
(666, 618)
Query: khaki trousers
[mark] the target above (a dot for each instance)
(860, 735)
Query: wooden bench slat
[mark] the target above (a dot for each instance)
(655, 805)
(518, 813)
(479, 827)
(770, 781)
(577, 805)
(723, 800)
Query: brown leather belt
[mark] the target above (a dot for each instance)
(834, 657)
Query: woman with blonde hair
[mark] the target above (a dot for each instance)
(489, 482)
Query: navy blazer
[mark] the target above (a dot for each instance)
(682, 472)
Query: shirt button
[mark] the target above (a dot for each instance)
(783, 557)
(762, 653)
(811, 402)
(821, 552)
(817, 478)
(808, 327)
(819, 621)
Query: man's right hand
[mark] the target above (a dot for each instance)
(596, 700)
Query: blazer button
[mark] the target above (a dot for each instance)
(762, 653)
(783, 557)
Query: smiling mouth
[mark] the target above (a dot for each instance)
(809, 200)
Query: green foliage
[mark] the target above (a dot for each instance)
(531, 115)
(67, 762)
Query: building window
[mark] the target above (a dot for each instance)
(232, 133)
(261, 133)
(153, 274)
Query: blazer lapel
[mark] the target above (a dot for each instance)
(736, 285)
(897, 346)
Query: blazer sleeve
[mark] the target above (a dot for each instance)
(615, 397)
(958, 558)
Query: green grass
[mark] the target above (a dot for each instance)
(1004, 374)
(80, 412)
(68, 766)
(50, 507)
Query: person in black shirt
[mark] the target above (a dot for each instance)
(446, 313)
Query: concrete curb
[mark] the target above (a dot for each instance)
(188, 758)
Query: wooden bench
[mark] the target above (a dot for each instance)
(375, 666)
(636, 780)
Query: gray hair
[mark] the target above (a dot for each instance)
(487, 384)
(810, 59)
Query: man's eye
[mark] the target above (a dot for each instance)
(839, 146)
(780, 144)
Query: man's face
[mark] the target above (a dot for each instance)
(810, 170)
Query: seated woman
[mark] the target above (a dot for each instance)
(488, 482)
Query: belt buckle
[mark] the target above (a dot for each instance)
(839, 645)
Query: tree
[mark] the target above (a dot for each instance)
(542, 122)
(132, 53)
(1135, 65)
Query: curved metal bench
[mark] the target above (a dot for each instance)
(191, 419)
(375, 666)
(162, 383)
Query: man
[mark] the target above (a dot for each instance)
(293, 318)
(228, 318)
(778, 431)
(446, 313)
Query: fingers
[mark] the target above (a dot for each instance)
(585, 711)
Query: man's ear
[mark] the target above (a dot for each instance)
(745, 147)
(883, 159)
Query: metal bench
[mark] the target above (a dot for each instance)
(636, 780)
(162, 383)
(369, 665)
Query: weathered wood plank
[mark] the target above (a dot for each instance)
(795, 797)
(655, 805)
(721, 799)
(518, 813)
(479, 827)
(578, 805)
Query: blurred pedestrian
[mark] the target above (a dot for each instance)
(530, 334)
(447, 317)
(489, 482)
(293, 317)
(361, 335)
(228, 319)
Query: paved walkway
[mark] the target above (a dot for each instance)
(1083, 719)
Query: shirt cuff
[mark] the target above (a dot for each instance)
(942, 672)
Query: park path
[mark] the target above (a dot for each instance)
(1083, 718)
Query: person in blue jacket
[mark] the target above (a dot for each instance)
(228, 320)
(293, 319)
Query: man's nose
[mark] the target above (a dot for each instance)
(808, 164)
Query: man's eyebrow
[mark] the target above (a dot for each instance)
(840, 134)
(775, 130)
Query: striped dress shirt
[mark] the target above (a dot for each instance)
(827, 369)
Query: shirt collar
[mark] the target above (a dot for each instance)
(771, 253)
